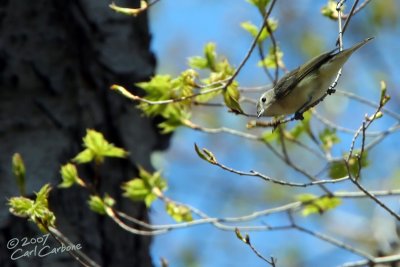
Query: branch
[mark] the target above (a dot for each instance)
(374, 261)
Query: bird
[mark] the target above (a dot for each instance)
(300, 88)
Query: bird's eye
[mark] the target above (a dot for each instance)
(263, 99)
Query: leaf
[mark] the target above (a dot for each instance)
(313, 204)
(96, 148)
(69, 175)
(260, 4)
(272, 59)
(240, 236)
(338, 168)
(231, 98)
(253, 29)
(144, 187)
(179, 213)
(20, 206)
(300, 128)
(210, 55)
(36, 210)
(205, 154)
(250, 27)
(328, 138)
(329, 10)
(198, 62)
(43, 195)
(384, 97)
(97, 205)
(174, 116)
(18, 169)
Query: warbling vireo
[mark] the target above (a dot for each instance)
(301, 87)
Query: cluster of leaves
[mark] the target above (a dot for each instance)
(274, 58)
(172, 98)
(147, 187)
(36, 210)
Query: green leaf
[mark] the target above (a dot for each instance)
(198, 62)
(69, 175)
(384, 97)
(145, 187)
(96, 148)
(253, 29)
(179, 213)
(97, 205)
(43, 195)
(250, 27)
(272, 59)
(260, 4)
(18, 169)
(231, 98)
(209, 61)
(313, 204)
(174, 116)
(84, 156)
(338, 168)
(210, 55)
(300, 128)
(328, 138)
(205, 154)
(136, 189)
(329, 10)
(37, 211)
(20, 206)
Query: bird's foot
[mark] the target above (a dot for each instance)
(298, 116)
(330, 91)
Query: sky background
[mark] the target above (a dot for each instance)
(180, 29)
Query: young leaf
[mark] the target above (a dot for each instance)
(231, 98)
(205, 154)
(210, 55)
(313, 204)
(260, 4)
(36, 210)
(338, 169)
(272, 59)
(96, 148)
(198, 62)
(144, 187)
(328, 138)
(69, 175)
(18, 169)
(179, 213)
(97, 205)
(329, 10)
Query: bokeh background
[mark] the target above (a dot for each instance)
(180, 29)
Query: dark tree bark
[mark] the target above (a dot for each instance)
(57, 61)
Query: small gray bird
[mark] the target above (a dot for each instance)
(304, 85)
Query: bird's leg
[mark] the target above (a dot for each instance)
(298, 115)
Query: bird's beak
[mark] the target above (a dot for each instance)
(260, 111)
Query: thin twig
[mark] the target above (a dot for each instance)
(375, 261)
(252, 46)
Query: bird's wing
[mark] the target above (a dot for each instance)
(291, 79)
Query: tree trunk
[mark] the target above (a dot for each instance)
(57, 61)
